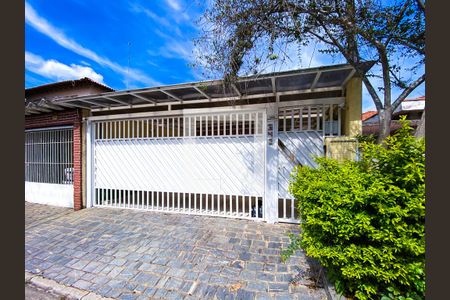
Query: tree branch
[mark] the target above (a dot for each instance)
(407, 91)
(421, 5)
(376, 99)
(397, 21)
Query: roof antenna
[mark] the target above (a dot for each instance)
(128, 67)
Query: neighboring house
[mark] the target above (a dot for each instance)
(412, 108)
(53, 142)
(211, 148)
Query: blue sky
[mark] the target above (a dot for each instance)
(124, 44)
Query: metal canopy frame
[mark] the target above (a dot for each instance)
(329, 78)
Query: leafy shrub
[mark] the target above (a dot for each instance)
(364, 221)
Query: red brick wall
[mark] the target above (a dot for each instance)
(69, 117)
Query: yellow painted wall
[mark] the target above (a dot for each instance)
(345, 147)
(353, 108)
(341, 148)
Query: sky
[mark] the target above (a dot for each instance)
(126, 44)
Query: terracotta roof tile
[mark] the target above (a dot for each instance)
(368, 114)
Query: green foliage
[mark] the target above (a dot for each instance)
(366, 138)
(364, 221)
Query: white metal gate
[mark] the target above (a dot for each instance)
(301, 132)
(49, 166)
(211, 164)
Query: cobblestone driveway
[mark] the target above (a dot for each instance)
(35, 213)
(130, 254)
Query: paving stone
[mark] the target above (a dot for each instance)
(113, 293)
(255, 266)
(80, 264)
(190, 275)
(245, 256)
(75, 274)
(237, 264)
(175, 272)
(116, 284)
(258, 286)
(118, 262)
(265, 276)
(204, 277)
(278, 287)
(159, 294)
(82, 284)
(115, 271)
(88, 277)
(128, 296)
(282, 268)
(283, 296)
(146, 279)
(173, 284)
(173, 295)
(98, 279)
(243, 294)
(248, 275)
(223, 293)
(284, 277)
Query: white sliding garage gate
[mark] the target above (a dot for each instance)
(49, 166)
(208, 164)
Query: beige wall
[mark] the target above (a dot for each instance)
(341, 148)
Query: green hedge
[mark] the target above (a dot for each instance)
(364, 221)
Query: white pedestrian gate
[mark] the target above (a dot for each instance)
(208, 164)
(300, 139)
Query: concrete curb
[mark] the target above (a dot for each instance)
(60, 289)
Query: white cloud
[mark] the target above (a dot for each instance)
(174, 4)
(174, 48)
(43, 26)
(163, 22)
(56, 70)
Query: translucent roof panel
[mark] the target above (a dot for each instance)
(187, 94)
(130, 99)
(219, 91)
(295, 82)
(332, 78)
(156, 95)
(257, 86)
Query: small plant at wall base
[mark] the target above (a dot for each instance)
(364, 221)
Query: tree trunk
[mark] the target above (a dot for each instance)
(420, 130)
(385, 116)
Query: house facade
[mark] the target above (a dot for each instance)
(53, 148)
(411, 108)
(214, 148)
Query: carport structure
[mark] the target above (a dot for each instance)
(215, 148)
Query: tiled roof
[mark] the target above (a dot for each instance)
(66, 83)
(368, 114)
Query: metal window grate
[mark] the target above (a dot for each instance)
(206, 125)
(49, 156)
(311, 118)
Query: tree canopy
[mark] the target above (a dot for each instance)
(242, 37)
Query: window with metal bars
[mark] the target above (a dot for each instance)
(49, 156)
